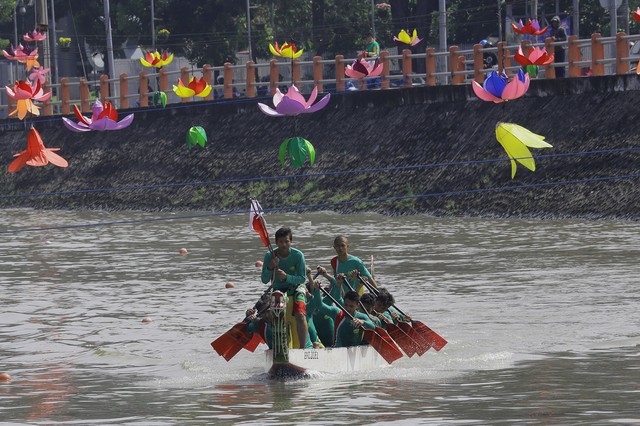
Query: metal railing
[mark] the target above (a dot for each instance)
(595, 56)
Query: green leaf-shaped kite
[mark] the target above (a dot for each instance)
(160, 99)
(196, 136)
(298, 150)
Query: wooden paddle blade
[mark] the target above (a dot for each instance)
(256, 339)
(231, 342)
(383, 344)
(421, 345)
(434, 339)
(403, 340)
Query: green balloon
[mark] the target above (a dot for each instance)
(196, 136)
(160, 99)
(298, 149)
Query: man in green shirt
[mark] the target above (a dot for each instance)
(286, 268)
(348, 332)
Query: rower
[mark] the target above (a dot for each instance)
(286, 268)
(347, 333)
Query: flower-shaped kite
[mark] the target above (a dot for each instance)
(293, 103)
(405, 40)
(517, 140)
(364, 68)
(199, 88)
(533, 60)
(532, 28)
(287, 50)
(25, 93)
(636, 15)
(497, 87)
(103, 117)
(39, 74)
(298, 149)
(23, 54)
(36, 154)
(156, 60)
(34, 35)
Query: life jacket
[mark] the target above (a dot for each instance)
(334, 263)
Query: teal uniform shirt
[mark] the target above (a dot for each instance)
(346, 335)
(345, 267)
(293, 265)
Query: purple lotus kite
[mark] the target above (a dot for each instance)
(293, 103)
(104, 117)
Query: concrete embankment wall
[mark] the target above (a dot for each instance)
(446, 127)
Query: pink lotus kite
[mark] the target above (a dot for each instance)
(25, 93)
(532, 28)
(364, 68)
(34, 35)
(497, 87)
(104, 117)
(23, 54)
(536, 56)
(293, 103)
(36, 154)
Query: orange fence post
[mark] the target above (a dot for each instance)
(317, 73)
(549, 70)
(185, 76)
(124, 91)
(207, 74)
(295, 72)
(47, 108)
(501, 56)
(143, 88)
(407, 70)
(340, 85)
(386, 66)
(274, 76)
(228, 81)
(163, 80)
(622, 51)
(478, 64)
(104, 87)
(65, 96)
(575, 55)
(250, 89)
(431, 66)
(84, 96)
(597, 53)
(456, 63)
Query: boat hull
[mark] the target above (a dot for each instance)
(326, 360)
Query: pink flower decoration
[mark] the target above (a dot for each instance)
(24, 93)
(23, 54)
(39, 74)
(34, 35)
(536, 56)
(293, 103)
(497, 87)
(103, 117)
(364, 68)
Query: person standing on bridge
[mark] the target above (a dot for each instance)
(558, 34)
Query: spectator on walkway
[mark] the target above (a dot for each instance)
(558, 34)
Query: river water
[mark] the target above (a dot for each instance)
(541, 317)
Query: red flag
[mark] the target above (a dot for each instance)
(257, 222)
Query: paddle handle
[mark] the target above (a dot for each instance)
(375, 291)
(342, 308)
(364, 310)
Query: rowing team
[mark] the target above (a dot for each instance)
(335, 320)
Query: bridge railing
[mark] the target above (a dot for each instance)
(595, 56)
